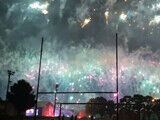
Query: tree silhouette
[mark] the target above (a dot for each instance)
(110, 108)
(94, 109)
(21, 96)
(1, 107)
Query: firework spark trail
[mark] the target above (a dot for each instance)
(106, 16)
(86, 21)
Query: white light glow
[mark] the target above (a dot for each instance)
(71, 98)
(45, 12)
(155, 20)
(156, 6)
(86, 21)
(106, 16)
(123, 17)
(39, 6)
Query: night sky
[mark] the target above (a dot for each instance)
(79, 45)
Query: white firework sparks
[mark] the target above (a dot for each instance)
(86, 21)
(156, 6)
(106, 16)
(123, 17)
(155, 20)
(39, 6)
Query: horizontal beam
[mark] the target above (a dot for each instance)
(96, 92)
(92, 103)
(79, 103)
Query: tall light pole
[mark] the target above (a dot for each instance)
(9, 81)
(55, 98)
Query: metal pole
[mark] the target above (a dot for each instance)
(60, 110)
(39, 75)
(55, 103)
(8, 85)
(55, 99)
(9, 80)
(117, 89)
(96, 92)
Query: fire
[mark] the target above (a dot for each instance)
(86, 21)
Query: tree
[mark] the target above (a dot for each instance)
(156, 106)
(96, 106)
(110, 108)
(125, 100)
(138, 101)
(21, 96)
(1, 106)
(148, 99)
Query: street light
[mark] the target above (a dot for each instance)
(57, 85)
(9, 80)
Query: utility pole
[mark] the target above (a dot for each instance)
(55, 99)
(9, 81)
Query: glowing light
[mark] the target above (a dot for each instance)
(123, 17)
(48, 110)
(154, 99)
(115, 94)
(35, 5)
(143, 28)
(156, 6)
(86, 21)
(30, 111)
(80, 115)
(45, 12)
(155, 20)
(106, 16)
(39, 6)
(71, 98)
